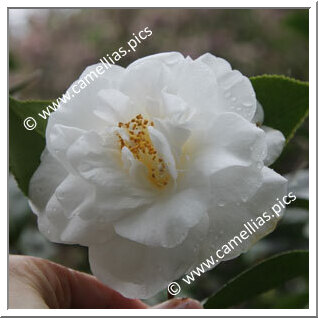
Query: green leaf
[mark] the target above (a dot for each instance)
(285, 102)
(25, 146)
(300, 203)
(260, 278)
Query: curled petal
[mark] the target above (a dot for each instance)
(275, 143)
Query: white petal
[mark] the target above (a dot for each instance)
(87, 232)
(59, 141)
(44, 181)
(75, 196)
(137, 271)
(78, 111)
(196, 84)
(88, 155)
(237, 91)
(162, 146)
(167, 222)
(143, 83)
(228, 221)
(234, 184)
(168, 58)
(230, 141)
(259, 114)
(175, 108)
(275, 143)
(115, 106)
(217, 64)
(176, 134)
(137, 171)
(54, 224)
(51, 179)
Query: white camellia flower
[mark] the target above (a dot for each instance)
(156, 166)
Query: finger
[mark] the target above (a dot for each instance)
(55, 286)
(179, 303)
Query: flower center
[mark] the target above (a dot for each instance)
(138, 141)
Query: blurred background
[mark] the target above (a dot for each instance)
(49, 48)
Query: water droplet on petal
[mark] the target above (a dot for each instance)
(246, 104)
(221, 203)
(259, 165)
(60, 195)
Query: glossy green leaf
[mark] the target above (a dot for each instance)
(25, 146)
(285, 102)
(260, 278)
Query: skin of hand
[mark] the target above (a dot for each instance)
(40, 284)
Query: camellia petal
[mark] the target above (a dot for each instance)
(227, 221)
(158, 226)
(134, 269)
(275, 143)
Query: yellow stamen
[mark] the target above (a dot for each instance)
(142, 148)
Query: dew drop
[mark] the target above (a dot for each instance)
(221, 203)
(246, 104)
(259, 165)
(233, 99)
(60, 195)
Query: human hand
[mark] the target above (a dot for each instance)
(41, 284)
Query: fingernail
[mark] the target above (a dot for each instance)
(180, 303)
